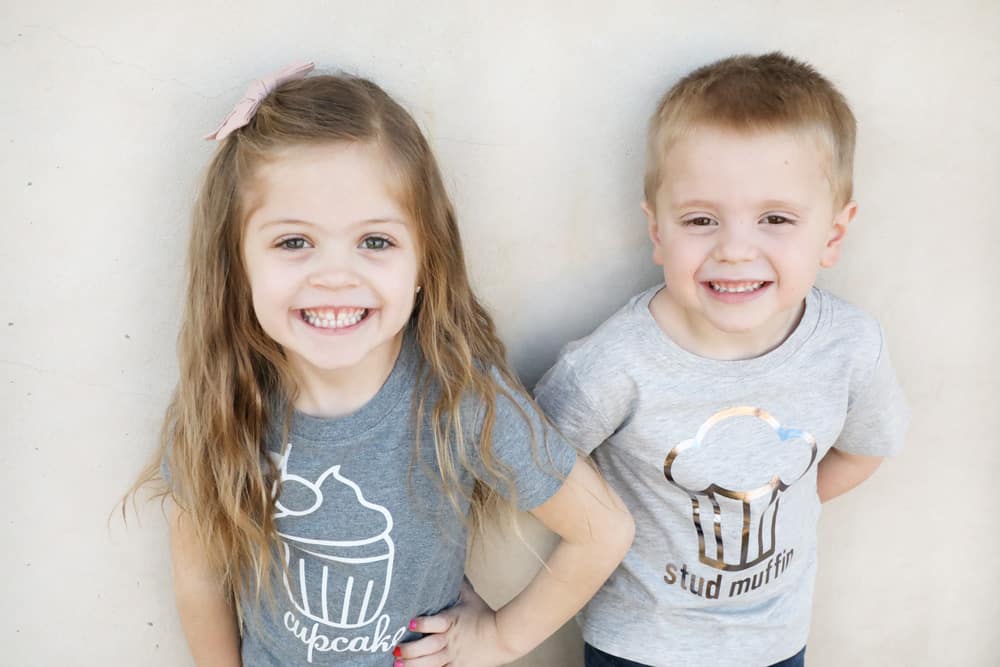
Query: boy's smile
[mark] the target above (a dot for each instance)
(736, 291)
(332, 263)
(741, 225)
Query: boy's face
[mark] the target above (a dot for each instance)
(742, 224)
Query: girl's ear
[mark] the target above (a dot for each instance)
(654, 232)
(831, 252)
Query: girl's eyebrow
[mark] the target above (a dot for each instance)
(284, 221)
(297, 221)
(391, 221)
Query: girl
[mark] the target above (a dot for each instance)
(344, 408)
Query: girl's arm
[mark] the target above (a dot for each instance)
(839, 472)
(206, 610)
(596, 531)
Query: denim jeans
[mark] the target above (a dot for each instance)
(593, 657)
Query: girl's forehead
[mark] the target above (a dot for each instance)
(354, 163)
(325, 182)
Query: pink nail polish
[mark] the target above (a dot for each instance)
(413, 624)
(398, 663)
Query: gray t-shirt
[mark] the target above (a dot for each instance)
(717, 462)
(369, 539)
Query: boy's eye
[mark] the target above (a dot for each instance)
(776, 219)
(700, 221)
(375, 243)
(293, 243)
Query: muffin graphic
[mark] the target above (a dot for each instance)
(740, 523)
(337, 548)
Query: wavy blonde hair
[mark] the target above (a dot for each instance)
(214, 432)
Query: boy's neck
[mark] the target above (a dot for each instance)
(702, 339)
(340, 392)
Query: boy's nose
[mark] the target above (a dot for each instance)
(734, 243)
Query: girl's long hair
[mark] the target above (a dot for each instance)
(213, 440)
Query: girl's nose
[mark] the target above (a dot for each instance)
(333, 268)
(735, 243)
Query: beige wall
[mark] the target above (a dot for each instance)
(537, 117)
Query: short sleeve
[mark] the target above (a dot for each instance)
(528, 449)
(877, 416)
(564, 400)
(167, 476)
(165, 471)
(166, 467)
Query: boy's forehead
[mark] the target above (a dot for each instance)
(708, 157)
(703, 137)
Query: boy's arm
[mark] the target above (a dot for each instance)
(874, 427)
(839, 472)
(596, 531)
(205, 609)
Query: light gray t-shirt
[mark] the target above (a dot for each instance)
(717, 462)
(369, 539)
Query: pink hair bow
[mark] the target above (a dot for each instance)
(258, 90)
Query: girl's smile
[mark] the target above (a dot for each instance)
(330, 318)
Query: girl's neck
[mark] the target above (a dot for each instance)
(339, 392)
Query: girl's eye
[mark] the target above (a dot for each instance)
(700, 221)
(293, 243)
(375, 243)
(776, 219)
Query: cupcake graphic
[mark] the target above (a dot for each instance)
(740, 522)
(337, 548)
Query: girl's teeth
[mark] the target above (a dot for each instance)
(736, 288)
(334, 318)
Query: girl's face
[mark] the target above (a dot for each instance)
(332, 260)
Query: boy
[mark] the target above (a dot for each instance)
(726, 404)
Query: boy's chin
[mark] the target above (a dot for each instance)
(768, 332)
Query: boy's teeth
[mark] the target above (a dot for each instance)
(730, 288)
(333, 318)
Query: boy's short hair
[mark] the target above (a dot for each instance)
(751, 93)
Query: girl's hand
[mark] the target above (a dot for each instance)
(463, 636)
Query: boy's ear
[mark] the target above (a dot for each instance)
(654, 232)
(831, 253)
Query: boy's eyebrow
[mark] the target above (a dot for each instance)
(695, 203)
(783, 203)
(767, 203)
